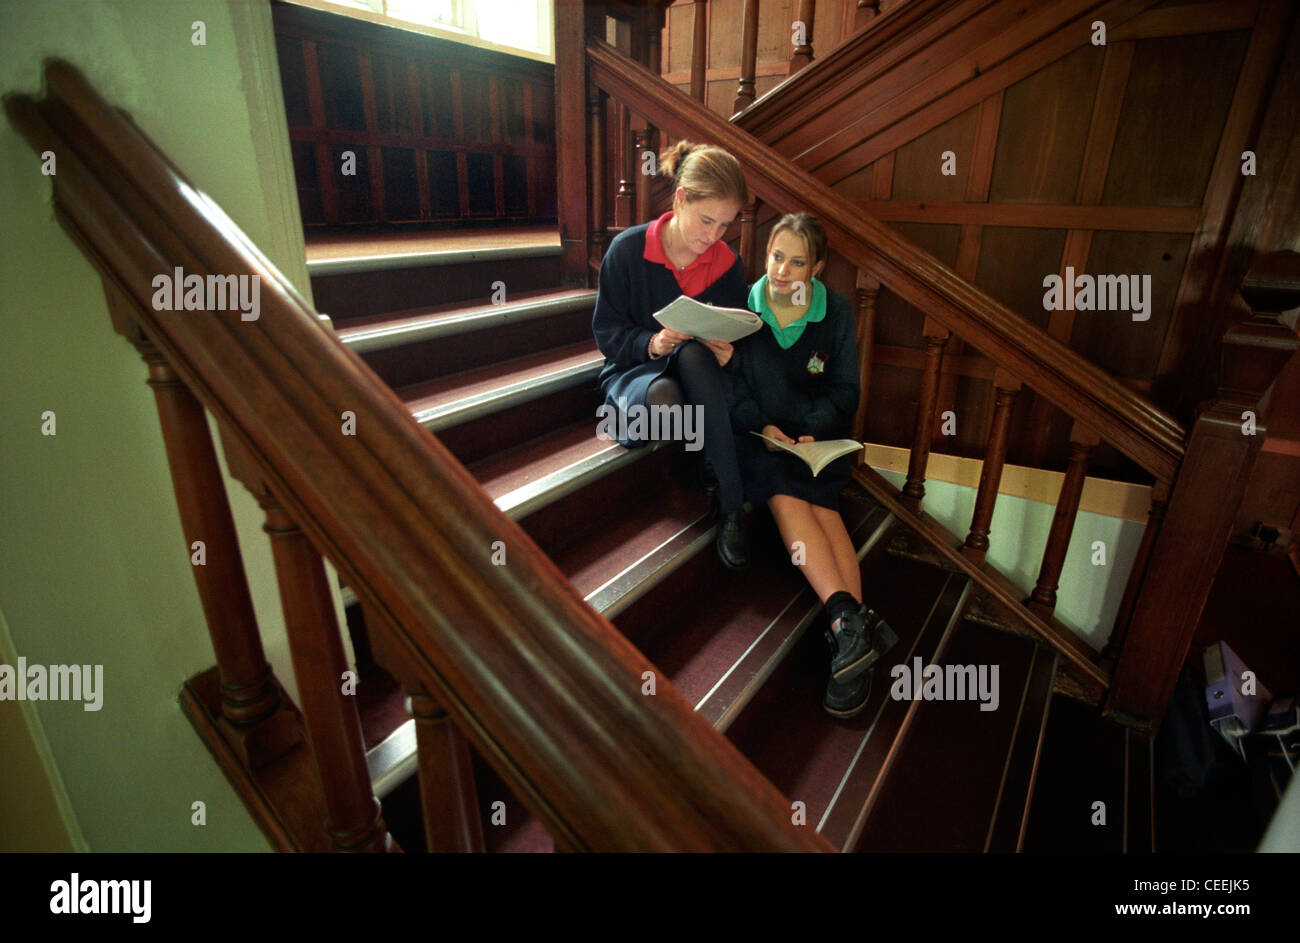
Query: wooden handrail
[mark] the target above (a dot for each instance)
(548, 690)
(1134, 426)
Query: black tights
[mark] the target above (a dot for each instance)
(696, 369)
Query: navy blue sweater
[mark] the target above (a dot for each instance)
(631, 289)
(771, 385)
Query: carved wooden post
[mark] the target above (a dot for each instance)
(868, 287)
(355, 821)
(448, 798)
(451, 814)
(257, 722)
(747, 247)
(866, 11)
(626, 168)
(654, 31)
(936, 336)
(977, 541)
(699, 50)
(1207, 492)
(644, 189)
(803, 52)
(1155, 517)
(596, 105)
(748, 58)
(1043, 599)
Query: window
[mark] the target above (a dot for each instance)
(519, 27)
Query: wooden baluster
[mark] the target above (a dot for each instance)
(254, 717)
(867, 10)
(936, 336)
(748, 58)
(626, 165)
(1155, 517)
(447, 795)
(448, 798)
(868, 287)
(643, 136)
(1043, 599)
(803, 53)
(355, 821)
(654, 19)
(977, 541)
(596, 106)
(748, 213)
(699, 50)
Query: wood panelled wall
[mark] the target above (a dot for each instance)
(1117, 159)
(442, 133)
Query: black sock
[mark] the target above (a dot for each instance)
(840, 603)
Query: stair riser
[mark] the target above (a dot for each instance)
(573, 519)
(361, 294)
(431, 359)
(507, 428)
(479, 438)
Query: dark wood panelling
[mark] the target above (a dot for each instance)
(1043, 131)
(441, 131)
(1013, 263)
(724, 31)
(1179, 90)
(1112, 339)
(918, 164)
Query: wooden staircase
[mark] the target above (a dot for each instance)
(510, 390)
(695, 720)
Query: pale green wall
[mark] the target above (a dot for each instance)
(1090, 593)
(93, 567)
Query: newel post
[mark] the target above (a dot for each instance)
(1207, 492)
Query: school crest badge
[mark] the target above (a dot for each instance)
(817, 362)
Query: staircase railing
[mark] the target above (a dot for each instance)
(546, 689)
(1160, 608)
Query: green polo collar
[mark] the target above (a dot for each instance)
(789, 335)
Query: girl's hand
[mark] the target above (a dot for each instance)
(772, 432)
(806, 438)
(722, 350)
(663, 343)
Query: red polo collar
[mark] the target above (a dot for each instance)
(707, 268)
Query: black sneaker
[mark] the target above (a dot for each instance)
(862, 637)
(847, 700)
(733, 547)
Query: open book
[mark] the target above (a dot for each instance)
(817, 454)
(707, 322)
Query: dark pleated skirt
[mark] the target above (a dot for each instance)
(770, 473)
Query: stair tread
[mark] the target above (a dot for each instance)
(445, 395)
(350, 252)
(918, 810)
(534, 460)
(735, 689)
(738, 611)
(396, 326)
(787, 733)
(675, 512)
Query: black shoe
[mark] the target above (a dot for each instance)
(848, 700)
(862, 637)
(733, 548)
